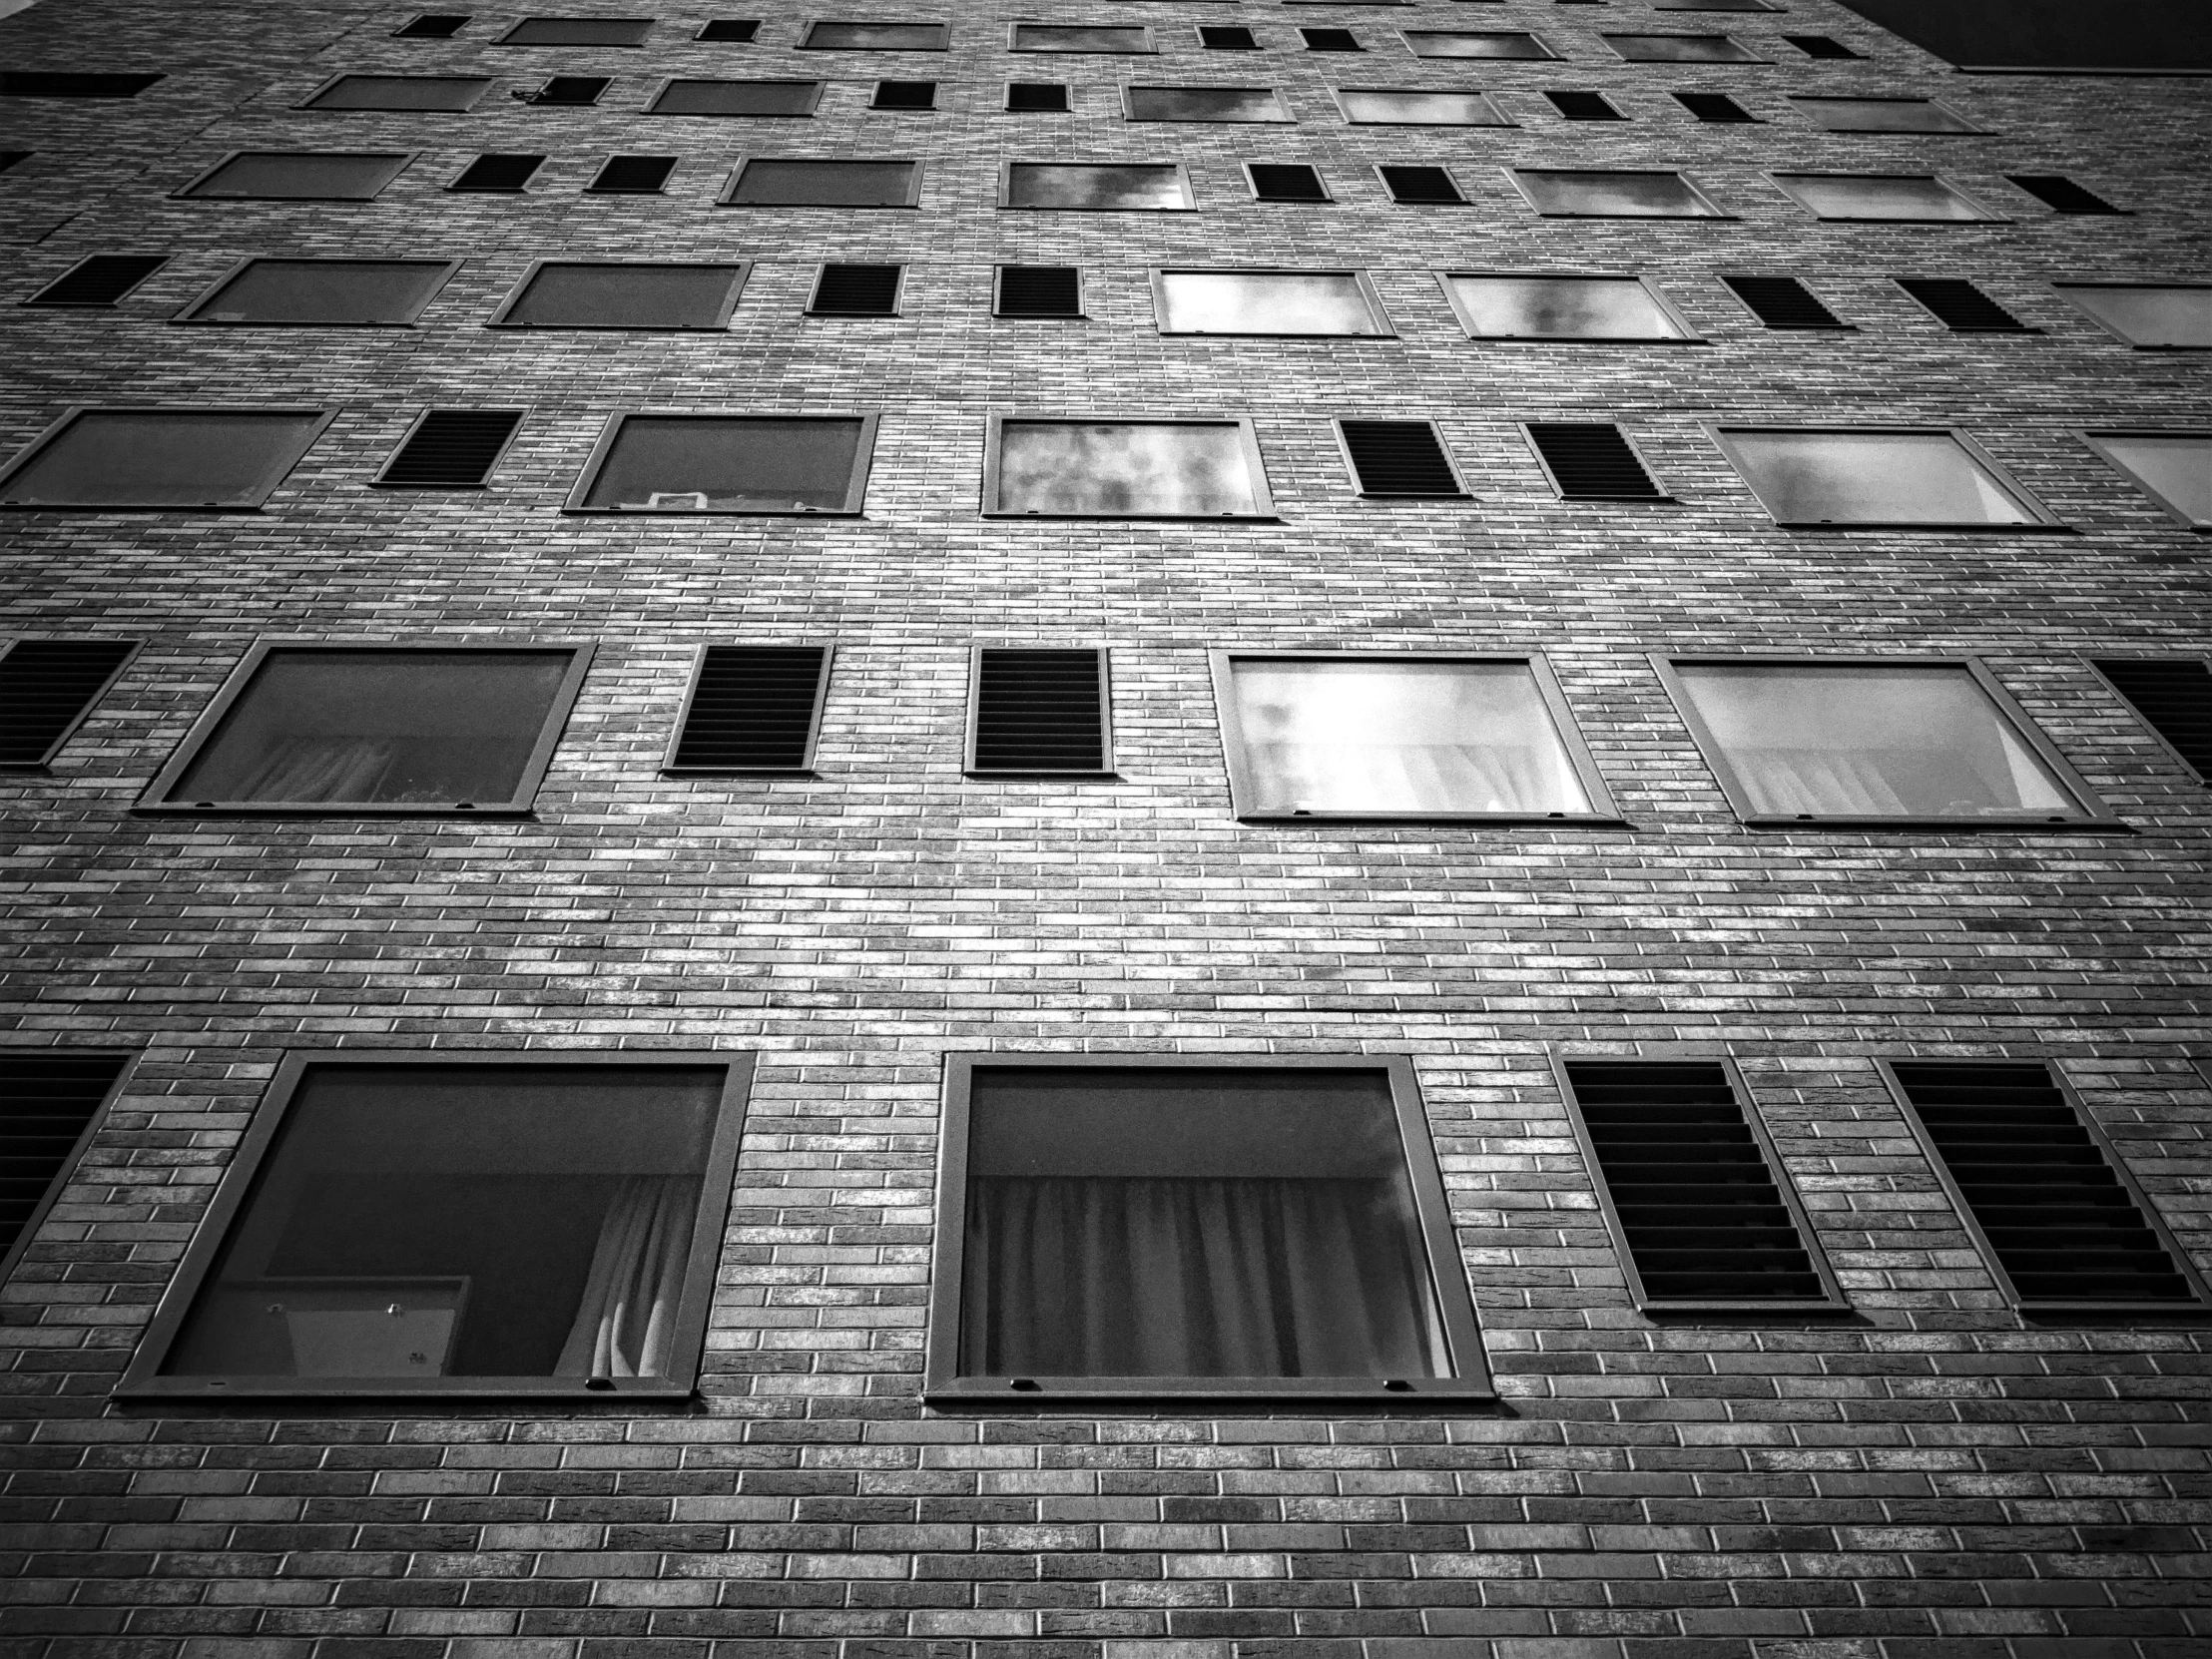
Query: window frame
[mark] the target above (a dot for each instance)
(2042, 520)
(1336, 95)
(863, 460)
(728, 308)
(2136, 714)
(1352, 466)
(1383, 327)
(267, 486)
(574, 45)
(1006, 202)
(2094, 815)
(1255, 468)
(1328, 196)
(1665, 499)
(1666, 307)
(143, 1379)
(1006, 106)
(814, 103)
(416, 426)
(945, 1385)
(1748, 56)
(807, 27)
(68, 731)
(126, 1064)
(157, 798)
(187, 190)
(1545, 52)
(1514, 175)
(1081, 314)
(2065, 292)
(898, 293)
(727, 198)
(309, 102)
(2092, 437)
(696, 672)
(1965, 128)
(1230, 726)
(1988, 214)
(1150, 48)
(186, 315)
(1284, 116)
(969, 767)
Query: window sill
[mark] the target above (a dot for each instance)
(711, 512)
(369, 1389)
(1846, 525)
(739, 772)
(1590, 339)
(129, 507)
(1139, 518)
(1941, 825)
(998, 1392)
(1539, 820)
(1790, 1308)
(320, 809)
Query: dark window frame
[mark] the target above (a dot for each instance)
(1150, 48)
(1250, 42)
(1706, 6)
(487, 82)
(805, 767)
(2094, 665)
(807, 27)
(1690, 334)
(751, 39)
(919, 168)
(205, 295)
(1987, 215)
(1105, 768)
(456, 187)
(1081, 314)
(1286, 116)
(945, 1385)
(1306, 37)
(1255, 467)
(1503, 120)
(416, 426)
(1986, 331)
(1065, 107)
(1965, 128)
(2065, 290)
(1545, 52)
(863, 458)
(1006, 202)
(2091, 435)
(728, 307)
(1664, 498)
(189, 189)
(143, 1379)
(1514, 175)
(1352, 466)
(126, 1064)
(407, 30)
(160, 264)
(652, 104)
(1328, 196)
(84, 713)
(1756, 273)
(267, 486)
(898, 291)
(1383, 327)
(2042, 519)
(1748, 56)
(575, 45)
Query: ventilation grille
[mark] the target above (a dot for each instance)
(1040, 291)
(2062, 1225)
(1422, 186)
(1332, 39)
(1287, 182)
(856, 290)
(45, 688)
(1714, 107)
(2061, 194)
(1958, 304)
(1584, 105)
(1592, 463)
(1695, 1197)
(739, 29)
(497, 172)
(9, 157)
(1037, 97)
(572, 89)
(633, 174)
(1782, 302)
(432, 26)
(906, 95)
(1398, 458)
(1820, 46)
(1038, 711)
(1220, 37)
(752, 710)
(2175, 697)
(45, 1103)
(100, 280)
(451, 449)
(33, 84)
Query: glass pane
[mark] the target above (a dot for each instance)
(708, 463)
(1053, 37)
(325, 291)
(1562, 307)
(1882, 114)
(1842, 195)
(1070, 184)
(127, 458)
(379, 727)
(1205, 104)
(1380, 736)
(271, 176)
(1678, 49)
(626, 296)
(401, 92)
(1191, 1222)
(2178, 468)
(824, 184)
(879, 37)
(418, 1222)
(1124, 469)
(1263, 303)
(1418, 109)
(1871, 478)
(1441, 43)
(738, 98)
(2150, 315)
(1870, 741)
(1617, 195)
(578, 31)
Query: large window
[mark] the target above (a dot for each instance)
(780, 182)
(160, 458)
(736, 98)
(2171, 317)
(1287, 302)
(578, 30)
(460, 1223)
(1910, 198)
(1461, 43)
(1325, 735)
(2174, 469)
(400, 92)
(1513, 306)
(1100, 186)
(1871, 743)
(1679, 49)
(297, 176)
(1883, 115)
(1131, 1225)
(878, 37)
(758, 464)
(558, 294)
(1613, 195)
(1390, 106)
(1069, 37)
(1084, 468)
(1202, 104)
(390, 292)
(1870, 477)
(376, 729)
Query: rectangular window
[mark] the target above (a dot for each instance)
(1079, 468)
(52, 1101)
(1285, 182)
(736, 98)
(555, 293)
(1613, 195)
(302, 176)
(1346, 735)
(856, 290)
(754, 464)
(454, 1223)
(2061, 194)
(730, 31)
(1908, 197)
(1883, 115)
(432, 26)
(789, 182)
(1039, 291)
(876, 37)
(578, 30)
(905, 95)
(1714, 6)
(1924, 741)
(1821, 46)
(160, 459)
(1875, 477)
(1678, 49)
(1277, 302)
(1515, 305)
(1039, 713)
(2174, 468)
(497, 173)
(632, 176)
(1591, 460)
(1463, 43)
(751, 708)
(1584, 105)
(1421, 186)
(2152, 317)
(47, 687)
(1959, 305)
(14, 158)
(1400, 460)
(1330, 39)
(1037, 97)
(575, 91)
(1202, 104)
(451, 449)
(1226, 38)
(1716, 109)
(2173, 697)
(1105, 187)
(1782, 302)
(400, 92)
(1390, 106)
(324, 292)
(26, 83)
(99, 279)
(1141, 1226)
(364, 730)
(1062, 37)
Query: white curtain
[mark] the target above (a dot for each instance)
(320, 769)
(627, 1317)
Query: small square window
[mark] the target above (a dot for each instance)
(1678, 49)
(1463, 42)
(99, 279)
(2166, 317)
(1883, 115)
(761, 465)
(1821, 46)
(1390, 107)
(1226, 38)
(2061, 194)
(753, 98)
(2173, 697)
(1519, 305)
(433, 26)
(791, 181)
(572, 91)
(1084, 468)
(1921, 479)
(557, 294)
(2174, 468)
(47, 687)
(452, 450)
(400, 92)
(578, 30)
(1421, 186)
(1282, 304)
(1959, 305)
(856, 290)
(1584, 105)
(1400, 460)
(53, 1101)
(297, 176)
(160, 459)
(1591, 460)
(497, 173)
(876, 37)
(906, 95)
(1202, 104)
(1618, 194)
(14, 158)
(1039, 713)
(1714, 6)
(1717, 109)
(323, 292)
(632, 176)
(1332, 39)
(1285, 182)
(1037, 97)
(730, 31)
(1905, 198)
(1039, 291)
(751, 708)
(1061, 37)
(1104, 186)
(1782, 302)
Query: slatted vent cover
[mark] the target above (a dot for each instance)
(1958, 305)
(1715, 107)
(1040, 291)
(433, 26)
(2061, 1222)
(856, 290)
(2061, 194)
(906, 95)
(1820, 46)
(752, 710)
(1584, 105)
(505, 172)
(572, 89)
(1398, 458)
(1591, 461)
(2175, 697)
(1784, 302)
(1287, 182)
(45, 688)
(736, 29)
(1037, 97)
(100, 280)
(1332, 39)
(1422, 186)
(1040, 710)
(44, 1102)
(1692, 1190)
(633, 174)
(1225, 37)
(451, 449)
(38, 84)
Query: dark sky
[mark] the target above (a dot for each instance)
(2053, 34)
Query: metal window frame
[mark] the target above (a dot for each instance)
(1105, 768)
(1747, 55)
(2023, 327)
(945, 1385)
(1552, 95)
(2042, 519)
(750, 40)
(1205, 45)
(805, 767)
(1007, 204)
(157, 795)
(382, 478)
(1067, 103)
(864, 456)
(1514, 175)
(455, 184)
(1328, 196)
(595, 187)
(310, 102)
(914, 166)
(1832, 1302)
(1223, 664)
(207, 296)
(1451, 462)
(1839, 327)
(898, 291)
(2066, 289)
(1545, 52)
(1255, 466)
(2093, 437)
(807, 26)
(1988, 214)
(2093, 813)
(1965, 129)
(1733, 101)
(1382, 325)
(96, 305)
(1150, 48)
(1666, 307)
(1664, 498)
(1708, 6)
(652, 104)
(1284, 118)
(1306, 34)
(2094, 665)
(83, 714)
(1970, 1222)
(143, 1379)
(190, 188)
(1337, 96)
(728, 304)
(264, 487)
(1081, 314)
(402, 33)
(520, 23)
(127, 1064)
(1382, 170)
(875, 98)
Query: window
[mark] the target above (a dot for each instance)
(1096, 187)
(2063, 195)
(433, 26)
(632, 176)
(451, 449)
(1589, 460)
(575, 91)
(51, 1101)
(906, 95)
(578, 30)
(1079, 468)
(1515, 305)
(856, 290)
(1385, 106)
(755, 464)
(24, 83)
(736, 98)
(762, 182)
(1913, 198)
(1332, 39)
(1678, 49)
(400, 92)
(1039, 291)
(751, 708)
(1278, 302)
(730, 31)
(1584, 105)
(1202, 104)
(1059, 37)
(323, 292)
(99, 279)
(1285, 182)
(159, 459)
(1702, 1211)
(47, 687)
(876, 37)
(559, 294)
(300, 176)
(445, 1223)
(1716, 108)
(1876, 476)
(1959, 305)
(1226, 38)
(1782, 302)
(1621, 194)
(1821, 46)
(1037, 97)
(2173, 697)
(2174, 469)
(2171, 317)
(1883, 115)
(1914, 741)
(1039, 713)
(1142, 1225)
(14, 158)
(1399, 459)
(1421, 186)
(1460, 43)
(1713, 6)
(497, 173)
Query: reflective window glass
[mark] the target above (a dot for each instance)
(1561, 307)
(161, 459)
(878, 37)
(1871, 478)
(731, 464)
(1379, 106)
(1126, 469)
(1205, 104)
(2177, 467)
(301, 177)
(767, 182)
(578, 30)
(2148, 314)
(1615, 194)
(1679, 49)
(1078, 186)
(325, 291)
(1060, 37)
(1265, 303)
(738, 98)
(626, 296)
(1875, 196)
(1883, 115)
(1459, 42)
(400, 91)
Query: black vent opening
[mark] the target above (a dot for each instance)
(1716, 107)
(12, 158)
(433, 26)
(45, 1100)
(451, 449)
(497, 172)
(38, 84)
(572, 89)
(1591, 461)
(1038, 711)
(1287, 182)
(1332, 39)
(633, 176)
(46, 687)
(1040, 291)
(100, 280)
(856, 290)
(1429, 187)
(2061, 194)
(2062, 1223)
(1398, 458)
(1821, 46)
(1584, 105)
(2174, 696)
(1037, 97)
(1227, 37)
(738, 30)
(906, 95)
(1958, 304)
(752, 710)
(1693, 1192)
(1784, 302)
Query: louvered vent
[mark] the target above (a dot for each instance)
(45, 1100)
(1584, 105)
(1398, 458)
(36, 84)
(633, 174)
(1782, 302)
(572, 89)
(1591, 461)
(1695, 1197)
(10, 158)
(1820, 46)
(504, 173)
(2061, 194)
(1422, 186)
(1958, 305)
(1224, 36)
(1040, 291)
(1037, 97)
(1040, 710)
(451, 449)
(1330, 39)
(2175, 697)
(856, 290)
(2064, 1226)
(46, 685)
(752, 710)
(1715, 107)
(100, 280)
(906, 95)
(432, 26)
(1287, 182)
(734, 29)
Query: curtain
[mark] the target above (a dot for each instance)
(625, 1321)
(320, 769)
(1141, 1277)
(1380, 775)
